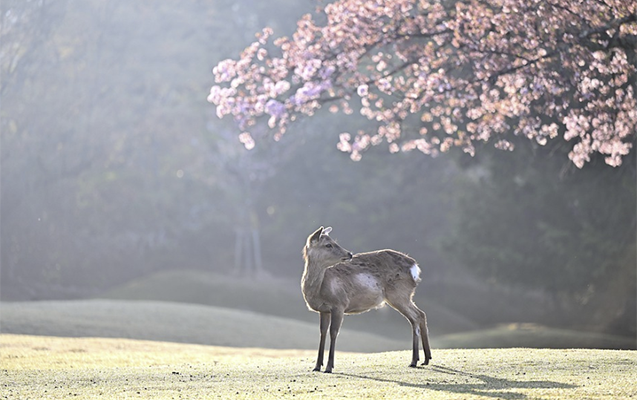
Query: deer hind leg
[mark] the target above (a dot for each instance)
(323, 326)
(421, 331)
(418, 321)
(424, 334)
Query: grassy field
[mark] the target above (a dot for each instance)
(36, 367)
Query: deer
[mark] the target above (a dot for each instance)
(336, 282)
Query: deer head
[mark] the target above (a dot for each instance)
(323, 250)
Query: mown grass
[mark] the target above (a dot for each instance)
(83, 368)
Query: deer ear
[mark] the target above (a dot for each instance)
(313, 238)
(327, 230)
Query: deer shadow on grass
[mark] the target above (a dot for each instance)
(488, 387)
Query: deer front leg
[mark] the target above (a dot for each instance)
(323, 326)
(335, 326)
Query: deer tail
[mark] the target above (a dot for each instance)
(415, 272)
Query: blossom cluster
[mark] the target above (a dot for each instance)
(436, 74)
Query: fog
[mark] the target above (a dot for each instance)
(116, 175)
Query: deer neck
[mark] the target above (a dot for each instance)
(312, 280)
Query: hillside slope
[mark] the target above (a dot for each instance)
(173, 322)
(275, 297)
(192, 323)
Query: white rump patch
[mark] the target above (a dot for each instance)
(415, 272)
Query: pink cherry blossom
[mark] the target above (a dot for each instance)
(435, 75)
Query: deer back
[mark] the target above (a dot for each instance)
(364, 282)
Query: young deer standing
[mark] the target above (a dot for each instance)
(335, 283)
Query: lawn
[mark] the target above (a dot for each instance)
(38, 367)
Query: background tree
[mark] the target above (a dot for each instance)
(436, 74)
(114, 166)
(525, 220)
(26, 29)
(105, 171)
(401, 203)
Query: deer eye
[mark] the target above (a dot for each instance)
(329, 245)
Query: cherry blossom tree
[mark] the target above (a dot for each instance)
(434, 74)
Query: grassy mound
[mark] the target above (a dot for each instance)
(54, 368)
(530, 335)
(273, 297)
(185, 323)
(283, 299)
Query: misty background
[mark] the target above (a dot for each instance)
(119, 182)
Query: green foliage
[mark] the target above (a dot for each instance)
(525, 219)
(107, 172)
(113, 166)
(383, 201)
